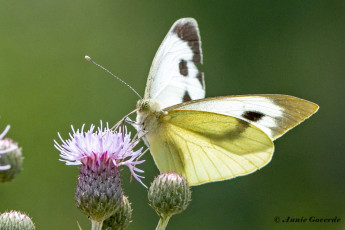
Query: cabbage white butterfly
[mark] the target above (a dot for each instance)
(208, 139)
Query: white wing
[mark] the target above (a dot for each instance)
(174, 76)
(274, 114)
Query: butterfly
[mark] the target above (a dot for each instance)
(208, 139)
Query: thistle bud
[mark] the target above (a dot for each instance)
(15, 220)
(169, 194)
(122, 217)
(13, 158)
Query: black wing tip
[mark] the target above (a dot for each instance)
(187, 29)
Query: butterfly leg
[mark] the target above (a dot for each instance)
(123, 120)
(130, 121)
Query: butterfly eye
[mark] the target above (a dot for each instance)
(143, 105)
(146, 106)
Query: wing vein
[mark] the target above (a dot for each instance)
(194, 164)
(214, 163)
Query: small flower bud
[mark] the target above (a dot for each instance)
(11, 159)
(122, 217)
(169, 194)
(99, 192)
(15, 220)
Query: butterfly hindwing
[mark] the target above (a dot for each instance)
(207, 147)
(174, 76)
(273, 113)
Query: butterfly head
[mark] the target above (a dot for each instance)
(143, 105)
(148, 106)
(148, 112)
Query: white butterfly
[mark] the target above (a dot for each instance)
(208, 139)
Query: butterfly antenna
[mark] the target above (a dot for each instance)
(90, 60)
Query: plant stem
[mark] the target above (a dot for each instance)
(163, 222)
(96, 225)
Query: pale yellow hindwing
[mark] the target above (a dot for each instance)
(206, 147)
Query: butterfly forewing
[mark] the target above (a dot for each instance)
(174, 76)
(207, 147)
(274, 114)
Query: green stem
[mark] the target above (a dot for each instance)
(96, 225)
(163, 222)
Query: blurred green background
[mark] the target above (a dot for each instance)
(286, 47)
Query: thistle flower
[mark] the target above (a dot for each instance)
(15, 220)
(11, 157)
(100, 154)
(169, 194)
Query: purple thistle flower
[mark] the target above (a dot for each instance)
(100, 153)
(6, 146)
(104, 145)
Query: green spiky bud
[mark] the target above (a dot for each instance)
(169, 194)
(13, 158)
(15, 220)
(99, 192)
(122, 217)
